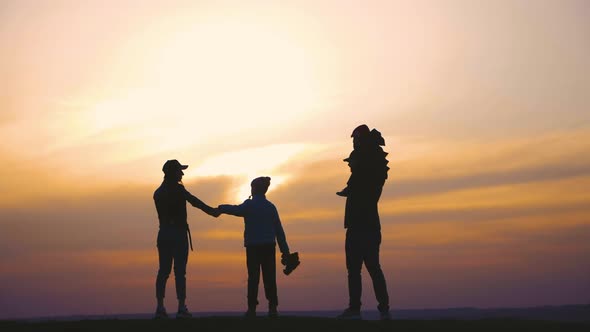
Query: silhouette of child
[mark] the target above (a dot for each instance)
(262, 227)
(362, 137)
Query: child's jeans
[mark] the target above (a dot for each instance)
(261, 257)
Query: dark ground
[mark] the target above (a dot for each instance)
(294, 324)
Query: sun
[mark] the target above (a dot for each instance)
(245, 165)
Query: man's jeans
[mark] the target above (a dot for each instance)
(172, 247)
(257, 257)
(362, 246)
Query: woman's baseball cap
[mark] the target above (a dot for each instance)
(173, 165)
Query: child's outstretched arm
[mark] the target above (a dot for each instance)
(234, 210)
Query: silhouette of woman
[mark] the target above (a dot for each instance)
(170, 199)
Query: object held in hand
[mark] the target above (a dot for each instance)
(291, 262)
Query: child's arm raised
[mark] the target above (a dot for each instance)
(234, 210)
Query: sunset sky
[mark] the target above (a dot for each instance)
(484, 106)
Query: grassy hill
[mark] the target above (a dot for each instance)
(288, 324)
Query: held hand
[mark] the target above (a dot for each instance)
(215, 212)
(218, 208)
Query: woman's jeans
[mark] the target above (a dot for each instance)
(172, 248)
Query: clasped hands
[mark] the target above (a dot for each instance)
(215, 212)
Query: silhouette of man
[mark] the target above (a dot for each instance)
(174, 234)
(368, 165)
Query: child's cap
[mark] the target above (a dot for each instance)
(262, 182)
